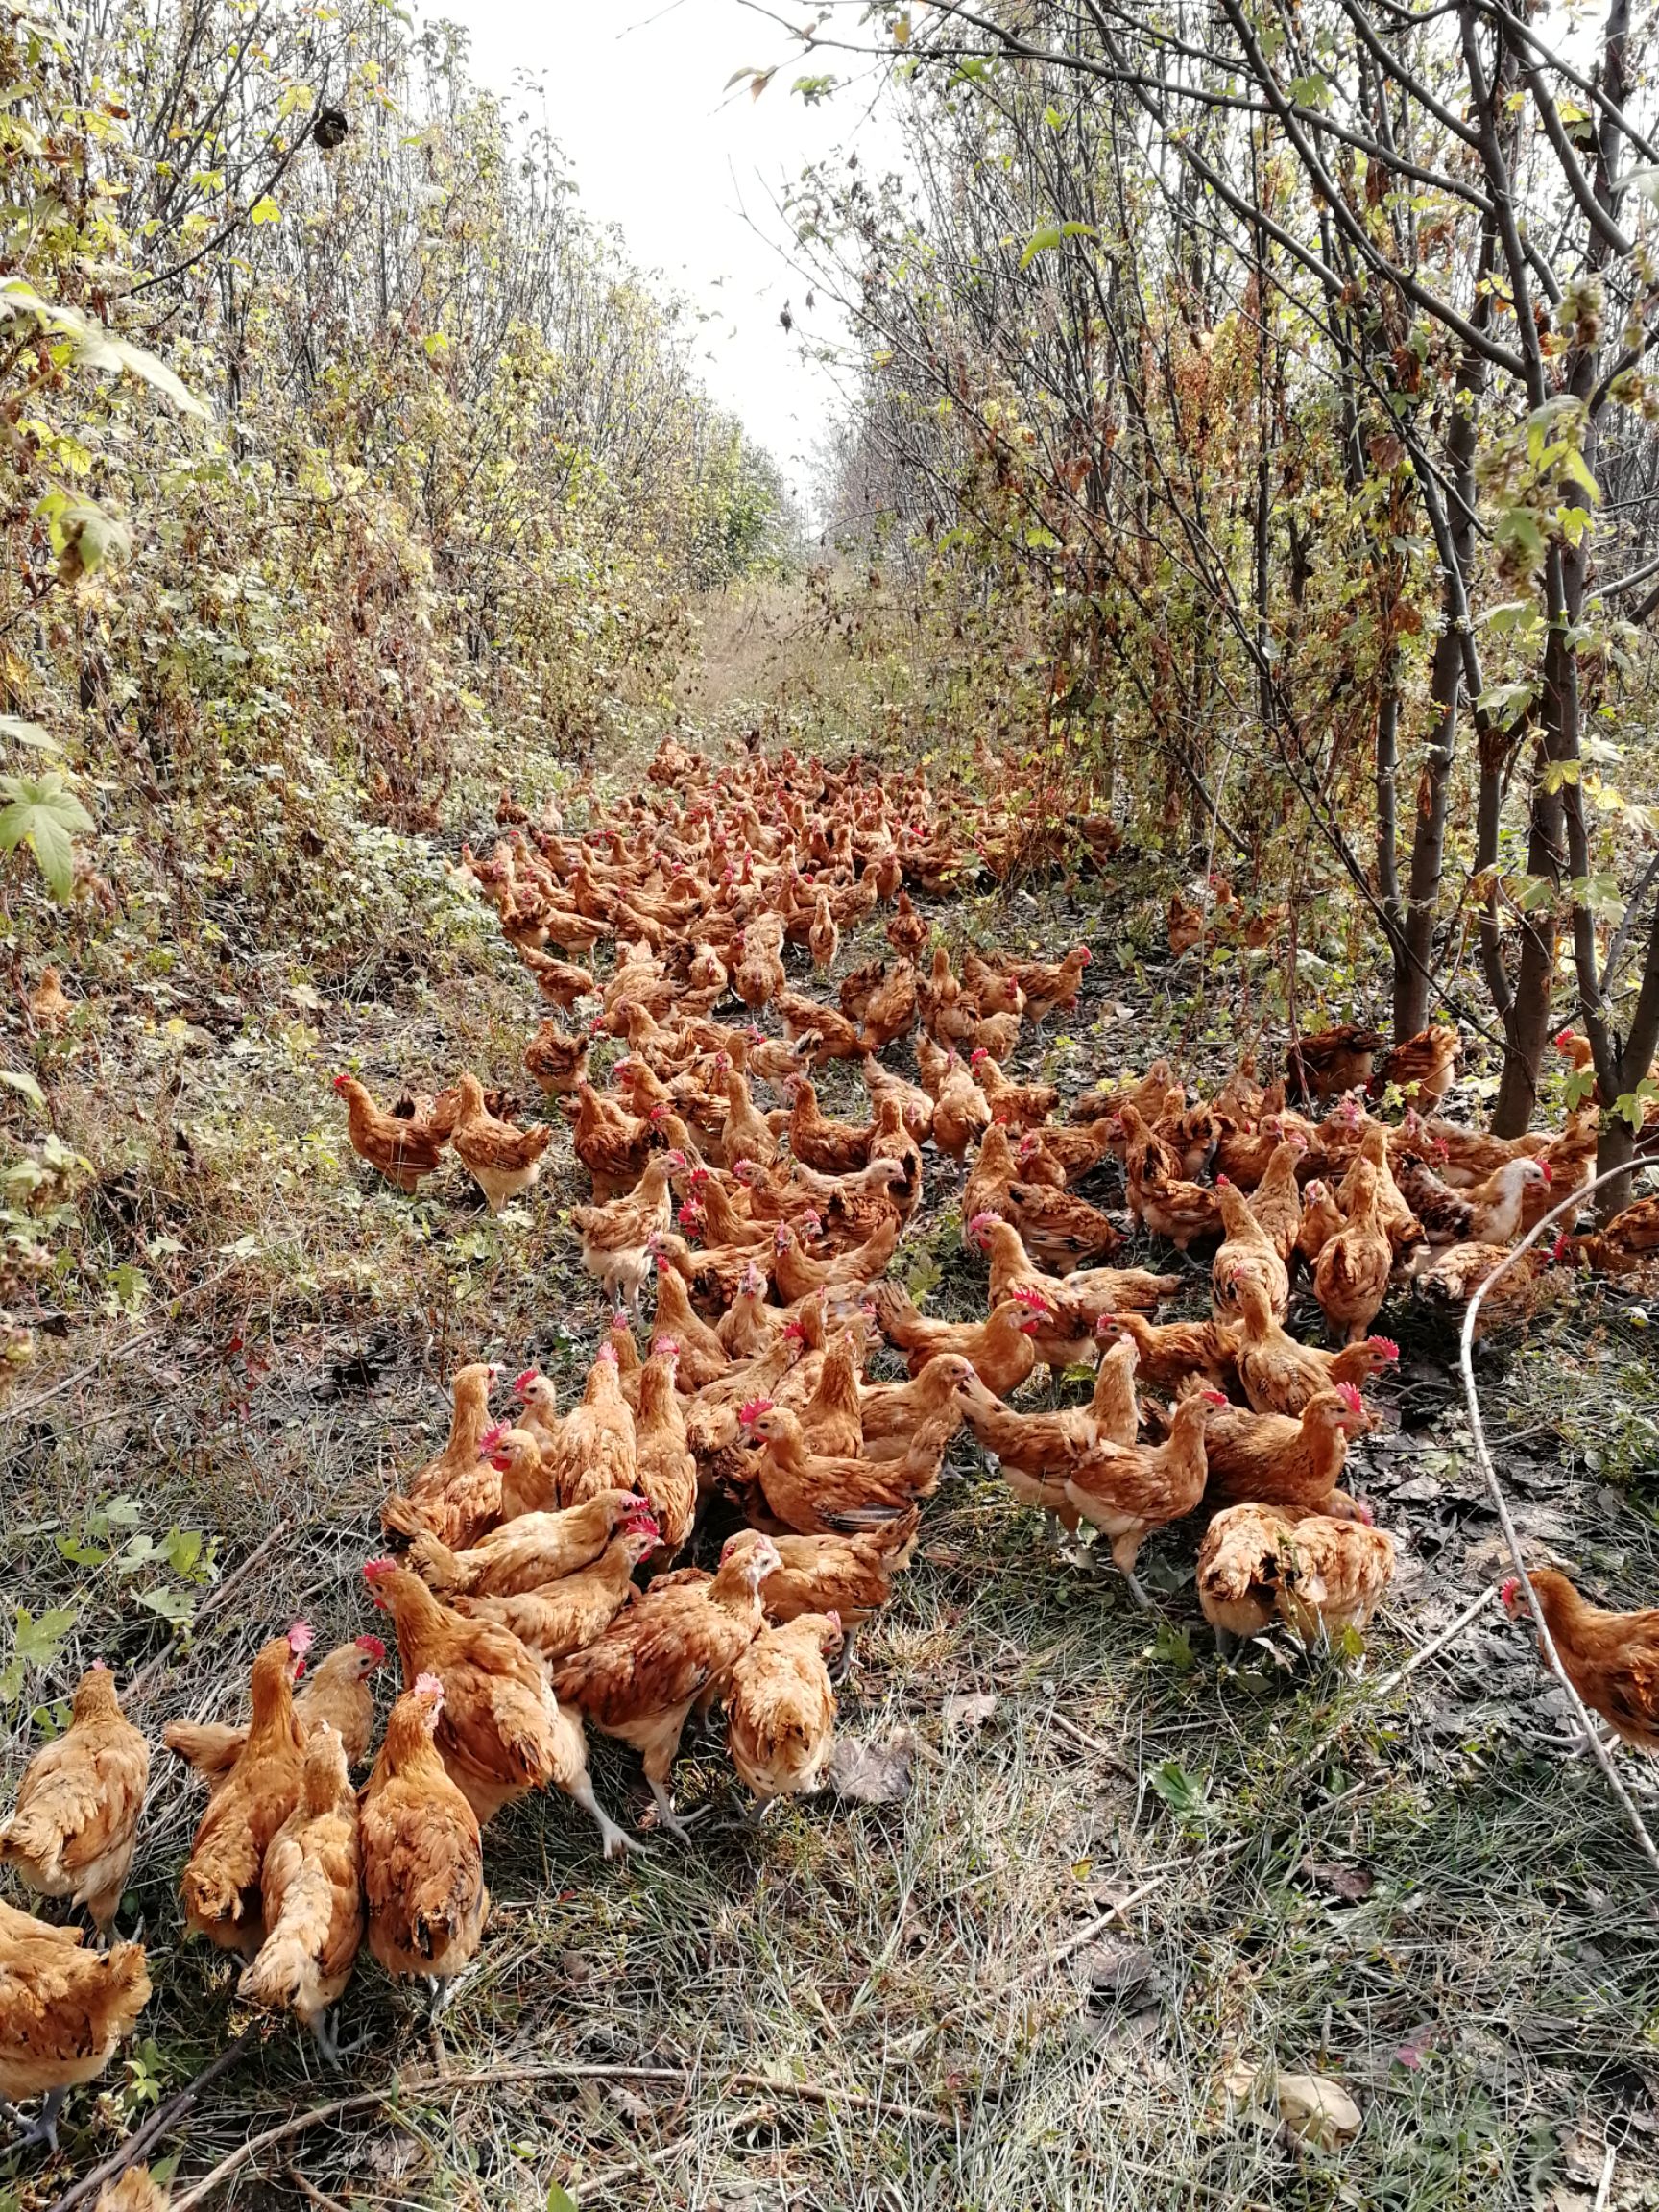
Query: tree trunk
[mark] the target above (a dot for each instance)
(1415, 947)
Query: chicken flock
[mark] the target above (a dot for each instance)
(536, 1577)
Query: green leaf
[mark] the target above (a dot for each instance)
(1188, 1795)
(1575, 464)
(20, 1080)
(79, 1552)
(100, 349)
(1042, 241)
(37, 1643)
(23, 733)
(1504, 703)
(176, 1606)
(183, 1550)
(43, 813)
(559, 2200)
(1632, 1105)
(264, 210)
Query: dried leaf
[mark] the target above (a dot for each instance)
(1351, 1883)
(873, 1773)
(1239, 2080)
(969, 1708)
(1317, 2110)
(1119, 1970)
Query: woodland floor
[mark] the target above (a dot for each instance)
(1395, 1883)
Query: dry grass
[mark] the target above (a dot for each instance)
(1490, 1998)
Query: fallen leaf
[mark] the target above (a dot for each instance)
(1351, 1883)
(1117, 1970)
(1239, 2080)
(969, 1708)
(873, 1773)
(1317, 2110)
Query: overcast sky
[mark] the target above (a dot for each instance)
(635, 92)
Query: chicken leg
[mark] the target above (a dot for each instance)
(666, 1814)
(841, 1666)
(616, 1841)
(1123, 1550)
(43, 2129)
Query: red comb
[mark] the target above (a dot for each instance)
(377, 1569)
(1385, 1345)
(429, 1686)
(1034, 1299)
(301, 1638)
(666, 1347)
(492, 1436)
(752, 1409)
(373, 1645)
(521, 1382)
(1349, 1396)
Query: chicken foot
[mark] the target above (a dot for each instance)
(325, 2028)
(44, 2128)
(675, 1825)
(1123, 1550)
(616, 1841)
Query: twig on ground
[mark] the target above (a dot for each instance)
(145, 1682)
(123, 1352)
(1604, 2187)
(491, 2076)
(309, 2189)
(1388, 1684)
(297, 2124)
(161, 2122)
(1512, 1535)
(1089, 1743)
(1098, 1927)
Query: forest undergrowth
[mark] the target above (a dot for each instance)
(1126, 1882)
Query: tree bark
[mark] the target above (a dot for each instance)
(1526, 1019)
